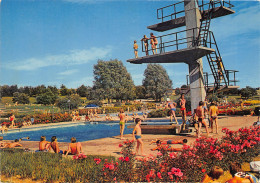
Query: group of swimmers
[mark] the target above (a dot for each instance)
(200, 115)
(145, 39)
(172, 107)
(74, 147)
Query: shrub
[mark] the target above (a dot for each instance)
(158, 113)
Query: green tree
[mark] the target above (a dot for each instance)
(112, 81)
(54, 90)
(64, 90)
(156, 81)
(82, 91)
(69, 102)
(46, 98)
(248, 92)
(20, 98)
(140, 92)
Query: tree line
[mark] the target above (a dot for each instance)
(111, 81)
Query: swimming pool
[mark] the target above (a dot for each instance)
(83, 131)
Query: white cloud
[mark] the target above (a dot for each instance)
(74, 57)
(68, 72)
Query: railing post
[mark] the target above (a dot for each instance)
(162, 14)
(176, 41)
(175, 11)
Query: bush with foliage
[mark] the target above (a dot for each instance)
(20, 98)
(46, 98)
(158, 113)
(69, 102)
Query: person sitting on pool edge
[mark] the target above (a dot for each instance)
(55, 146)
(44, 145)
(160, 144)
(74, 147)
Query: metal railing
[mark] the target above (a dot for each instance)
(172, 11)
(208, 80)
(175, 41)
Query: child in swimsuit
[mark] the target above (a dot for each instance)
(154, 42)
(122, 122)
(213, 112)
(55, 146)
(145, 40)
(172, 107)
(183, 110)
(135, 49)
(74, 147)
(137, 135)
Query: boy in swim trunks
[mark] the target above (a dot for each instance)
(137, 135)
(183, 110)
(200, 114)
(172, 106)
(55, 146)
(135, 49)
(154, 42)
(44, 145)
(145, 40)
(213, 113)
(74, 147)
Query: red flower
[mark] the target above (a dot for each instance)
(127, 159)
(120, 145)
(203, 170)
(97, 160)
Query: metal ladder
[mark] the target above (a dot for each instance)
(206, 38)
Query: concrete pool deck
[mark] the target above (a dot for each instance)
(109, 146)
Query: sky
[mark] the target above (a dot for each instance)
(54, 42)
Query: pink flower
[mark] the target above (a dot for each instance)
(159, 154)
(172, 155)
(120, 145)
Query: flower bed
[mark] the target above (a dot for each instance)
(186, 166)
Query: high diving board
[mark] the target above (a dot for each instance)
(179, 22)
(186, 55)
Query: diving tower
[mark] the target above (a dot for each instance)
(191, 44)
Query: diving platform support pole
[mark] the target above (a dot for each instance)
(197, 89)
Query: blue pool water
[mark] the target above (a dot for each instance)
(82, 131)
